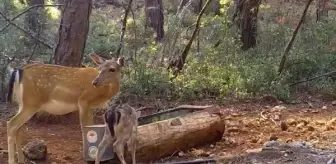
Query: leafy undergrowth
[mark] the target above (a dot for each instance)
(245, 131)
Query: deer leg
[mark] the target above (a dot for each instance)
(85, 117)
(118, 146)
(85, 114)
(18, 143)
(107, 140)
(12, 127)
(131, 143)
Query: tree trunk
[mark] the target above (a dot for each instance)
(73, 32)
(176, 65)
(163, 138)
(245, 17)
(321, 11)
(34, 21)
(155, 18)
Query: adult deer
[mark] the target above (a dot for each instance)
(59, 90)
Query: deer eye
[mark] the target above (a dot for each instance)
(111, 70)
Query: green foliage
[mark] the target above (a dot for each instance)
(214, 70)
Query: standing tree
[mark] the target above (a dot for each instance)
(73, 32)
(34, 20)
(154, 17)
(322, 9)
(245, 17)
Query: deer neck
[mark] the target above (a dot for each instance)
(113, 88)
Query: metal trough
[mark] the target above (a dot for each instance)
(95, 133)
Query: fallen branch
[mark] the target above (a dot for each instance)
(178, 63)
(3, 151)
(267, 118)
(29, 8)
(26, 32)
(313, 78)
(123, 29)
(290, 43)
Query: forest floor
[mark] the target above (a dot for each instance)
(246, 132)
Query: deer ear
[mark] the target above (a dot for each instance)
(121, 61)
(138, 113)
(97, 59)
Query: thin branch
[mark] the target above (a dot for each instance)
(198, 31)
(179, 62)
(35, 46)
(135, 36)
(267, 118)
(31, 7)
(123, 29)
(313, 78)
(25, 31)
(290, 43)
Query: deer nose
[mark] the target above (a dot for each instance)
(95, 83)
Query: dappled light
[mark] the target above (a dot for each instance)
(243, 58)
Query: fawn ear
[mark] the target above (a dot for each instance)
(138, 113)
(121, 61)
(97, 59)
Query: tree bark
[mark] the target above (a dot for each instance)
(155, 18)
(245, 17)
(73, 31)
(163, 138)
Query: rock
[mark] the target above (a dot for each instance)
(273, 138)
(300, 125)
(333, 103)
(233, 130)
(181, 154)
(283, 126)
(271, 144)
(253, 150)
(300, 144)
(67, 158)
(291, 121)
(35, 150)
(332, 161)
(278, 108)
(254, 140)
(289, 140)
(310, 105)
(199, 152)
(324, 107)
(310, 128)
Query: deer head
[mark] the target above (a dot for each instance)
(109, 70)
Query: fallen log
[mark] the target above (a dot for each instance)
(163, 138)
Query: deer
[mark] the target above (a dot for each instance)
(120, 129)
(59, 90)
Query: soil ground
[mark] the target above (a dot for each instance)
(246, 131)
